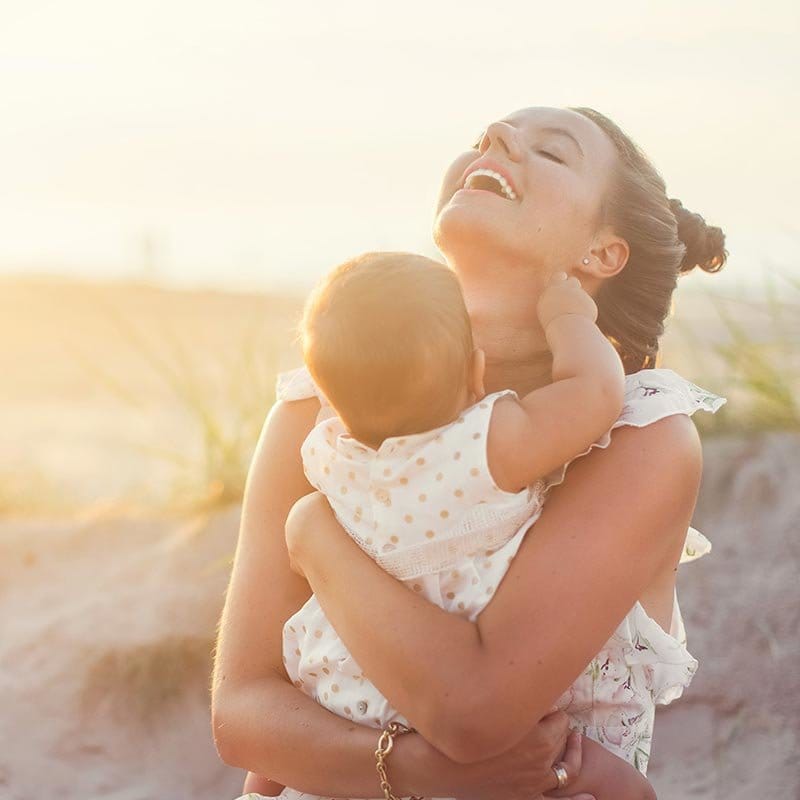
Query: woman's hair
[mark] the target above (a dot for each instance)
(387, 338)
(665, 240)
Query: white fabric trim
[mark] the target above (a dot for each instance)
(483, 528)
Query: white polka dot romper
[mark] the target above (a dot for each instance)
(426, 509)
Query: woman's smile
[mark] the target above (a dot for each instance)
(488, 174)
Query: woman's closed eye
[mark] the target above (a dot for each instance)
(551, 156)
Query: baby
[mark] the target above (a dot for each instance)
(436, 480)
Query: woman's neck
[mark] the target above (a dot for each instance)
(508, 331)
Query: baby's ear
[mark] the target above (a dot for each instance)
(477, 371)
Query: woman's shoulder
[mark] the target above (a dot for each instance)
(656, 412)
(297, 397)
(286, 427)
(296, 411)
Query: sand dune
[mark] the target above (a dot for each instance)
(107, 629)
(107, 626)
(735, 734)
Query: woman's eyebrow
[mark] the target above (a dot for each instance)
(550, 129)
(564, 132)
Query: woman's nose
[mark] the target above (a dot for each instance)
(505, 137)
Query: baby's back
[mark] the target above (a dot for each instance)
(419, 504)
(426, 509)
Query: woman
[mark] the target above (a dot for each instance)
(609, 538)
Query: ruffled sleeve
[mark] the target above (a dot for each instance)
(297, 384)
(667, 667)
(650, 396)
(696, 546)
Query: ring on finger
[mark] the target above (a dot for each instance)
(562, 776)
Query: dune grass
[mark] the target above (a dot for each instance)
(137, 682)
(28, 491)
(756, 359)
(224, 400)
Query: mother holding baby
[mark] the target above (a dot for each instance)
(586, 618)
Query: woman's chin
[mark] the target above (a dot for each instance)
(463, 222)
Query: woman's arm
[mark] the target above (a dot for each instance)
(262, 723)
(472, 689)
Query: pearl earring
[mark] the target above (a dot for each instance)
(585, 261)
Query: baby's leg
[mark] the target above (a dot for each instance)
(261, 785)
(606, 776)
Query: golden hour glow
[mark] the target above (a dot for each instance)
(176, 176)
(257, 146)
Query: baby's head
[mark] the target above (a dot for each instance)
(387, 338)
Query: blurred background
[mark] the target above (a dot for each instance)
(174, 176)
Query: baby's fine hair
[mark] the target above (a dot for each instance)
(387, 338)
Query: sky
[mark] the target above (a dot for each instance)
(254, 144)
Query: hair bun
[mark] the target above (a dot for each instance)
(705, 244)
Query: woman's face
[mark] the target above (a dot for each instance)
(554, 166)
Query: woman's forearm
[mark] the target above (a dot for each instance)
(382, 638)
(272, 728)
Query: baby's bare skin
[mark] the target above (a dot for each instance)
(535, 434)
(606, 777)
(261, 785)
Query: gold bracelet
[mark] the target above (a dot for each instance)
(385, 745)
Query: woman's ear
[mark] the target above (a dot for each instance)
(476, 373)
(607, 257)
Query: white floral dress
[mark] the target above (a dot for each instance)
(427, 510)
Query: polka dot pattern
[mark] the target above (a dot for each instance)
(411, 494)
(415, 492)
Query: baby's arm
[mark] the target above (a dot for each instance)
(549, 426)
(606, 777)
(258, 784)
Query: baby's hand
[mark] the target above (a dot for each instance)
(564, 295)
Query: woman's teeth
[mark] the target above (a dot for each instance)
(489, 173)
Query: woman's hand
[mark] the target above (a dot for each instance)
(526, 770)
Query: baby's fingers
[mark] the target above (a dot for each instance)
(573, 755)
(581, 796)
(558, 278)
